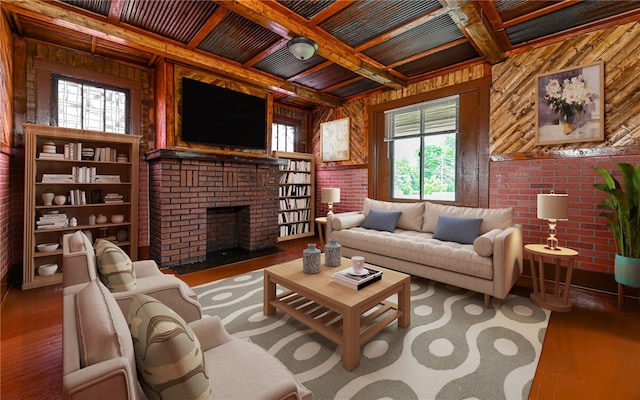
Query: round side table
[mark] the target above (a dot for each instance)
(557, 300)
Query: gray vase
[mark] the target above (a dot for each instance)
(333, 253)
(311, 259)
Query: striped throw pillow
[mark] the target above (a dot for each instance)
(114, 267)
(169, 359)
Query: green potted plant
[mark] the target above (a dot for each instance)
(624, 220)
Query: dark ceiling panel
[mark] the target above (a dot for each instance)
(354, 88)
(283, 64)
(365, 20)
(510, 9)
(326, 77)
(441, 59)
(440, 31)
(305, 8)
(97, 6)
(186, 17)
(238, 39)
(567, 18)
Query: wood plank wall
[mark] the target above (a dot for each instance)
(513, 90)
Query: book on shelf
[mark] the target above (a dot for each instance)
(58, 178)
(357, 282)
(51, 156)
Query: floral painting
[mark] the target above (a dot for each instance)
(570, 105)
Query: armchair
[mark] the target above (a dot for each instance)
(79, 266)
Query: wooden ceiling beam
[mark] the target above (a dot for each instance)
(57, 16)
(283, 21)
(476, 27)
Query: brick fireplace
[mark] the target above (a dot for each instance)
(202, 202)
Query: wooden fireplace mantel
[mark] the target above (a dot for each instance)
(159, 154)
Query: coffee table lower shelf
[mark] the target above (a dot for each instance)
(343, 315)
(329, 323)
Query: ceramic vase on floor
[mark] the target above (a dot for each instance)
(311, 259)
(332, 253)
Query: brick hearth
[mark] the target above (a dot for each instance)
(185, 188)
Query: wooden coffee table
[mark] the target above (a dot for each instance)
(336, 311)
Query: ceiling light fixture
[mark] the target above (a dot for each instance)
(302, 48)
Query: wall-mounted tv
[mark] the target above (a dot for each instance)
(217, 116)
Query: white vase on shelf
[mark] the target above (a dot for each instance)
(47, 198)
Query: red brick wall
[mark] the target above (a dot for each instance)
(6, 222)
(517, 183)
(353, 184)
(181, 190)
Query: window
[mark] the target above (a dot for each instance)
(86, 105)
(283, 136)
(422, 141)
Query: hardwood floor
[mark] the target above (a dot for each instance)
(588, 353)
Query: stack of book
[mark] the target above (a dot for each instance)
(52, 221)
(357, 282)
(113, 198)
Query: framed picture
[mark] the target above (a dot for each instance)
(570, 105)
(335, 140)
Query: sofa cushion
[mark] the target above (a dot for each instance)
(456, 229)
(115, 267)
(346, 220)
(411, 217)
(418, 248)
(168, 356)
(381, 220)
(492, 218)
(483, 244)
(102, 329)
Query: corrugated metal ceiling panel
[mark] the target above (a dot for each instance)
(305, 8)
(284, 65)
(440, 31)
(176, 19)
(510, 9)
(365, 20)
(567, 18)
(97, 6)
(238, 39)
(326, 77)
(441, 59)
(358, 87)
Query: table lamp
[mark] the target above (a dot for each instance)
(330, 196)
(553, 207)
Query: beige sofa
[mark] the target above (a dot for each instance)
(491, 264)
(99, 361)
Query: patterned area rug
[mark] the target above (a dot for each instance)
(455, 348)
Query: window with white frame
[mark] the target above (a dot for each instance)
(422, 141)
(87, 105)
(283, 136)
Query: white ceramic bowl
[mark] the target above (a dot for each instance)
(47, 269)
(117, 218)
(47, 247)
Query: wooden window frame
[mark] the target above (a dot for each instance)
(472, 178)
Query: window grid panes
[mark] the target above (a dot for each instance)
(422, 145)
(283, 137)
(84, 106)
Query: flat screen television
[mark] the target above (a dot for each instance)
(217, 116)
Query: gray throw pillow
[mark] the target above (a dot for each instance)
(382, 220)
(455, 229)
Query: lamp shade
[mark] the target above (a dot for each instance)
(302, 48)
(553, 206)
(330, 195)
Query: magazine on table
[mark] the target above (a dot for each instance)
(347, 278)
